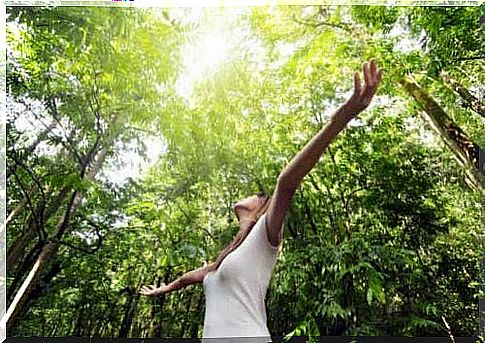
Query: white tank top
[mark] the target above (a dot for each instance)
(235, 292)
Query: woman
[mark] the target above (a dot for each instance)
(235, 284)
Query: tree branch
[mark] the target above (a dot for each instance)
(465, 151)
(480, 57)
(31, 174)
(70, 147)
(448, 329)
(84, 250)
(50, 102)
(42, 234)
(315, 23)
(472, 102)
(87, 251)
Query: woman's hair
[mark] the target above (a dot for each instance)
(242, 234)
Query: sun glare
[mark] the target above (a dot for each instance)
(208, 49)
(200, 60)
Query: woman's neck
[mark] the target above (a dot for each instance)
(245, 223)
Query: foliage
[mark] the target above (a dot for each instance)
(382, 237)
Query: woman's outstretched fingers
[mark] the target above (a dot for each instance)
(373, 69)
(379, 76)
(363, 93)
(357, 86)
(146, 290)
(365, 71)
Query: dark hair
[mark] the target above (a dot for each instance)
(242, 234)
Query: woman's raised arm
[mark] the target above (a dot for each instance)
(291, 176)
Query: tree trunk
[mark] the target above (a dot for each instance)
(19, 207)
(25, 266)
(23, 257)
(77, 330)
(44, 285)
(17, 248)
(21, 244)
(465, 151)
(471, 101)
(129, 314)
(156, 330)
(194, 331)
(48, 251)
(187, 316)
(25, 290)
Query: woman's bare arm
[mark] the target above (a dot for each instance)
(189, 278)
(292, 175)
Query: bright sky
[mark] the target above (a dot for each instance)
(130, 164)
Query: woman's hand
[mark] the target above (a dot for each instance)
(152, 291)
(363, 95)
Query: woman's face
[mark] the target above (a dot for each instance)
(248, 205)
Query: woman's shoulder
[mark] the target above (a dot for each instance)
(262, 234)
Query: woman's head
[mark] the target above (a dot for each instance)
(248, 211)
(253, 207)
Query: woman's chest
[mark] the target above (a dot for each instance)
(238, 266)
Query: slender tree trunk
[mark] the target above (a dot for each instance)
(465, 151)
(26, 288)
(20, 206)
(19, 248)
(22, 250)
(15, 212)
(109, 318)
(24, 267)
(194, 331)
(20, 245)
(80, 317)
(156, 329)
(471, 101)
(44, 285)
(48, 251)
(185, 324)
(128, 315)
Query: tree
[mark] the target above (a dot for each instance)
(81, 79)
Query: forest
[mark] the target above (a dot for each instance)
(131, 133)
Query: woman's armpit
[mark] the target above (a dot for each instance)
(266, 236)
